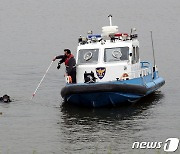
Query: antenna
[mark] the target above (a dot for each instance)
(110, 19)
(153, 49)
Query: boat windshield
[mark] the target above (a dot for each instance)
(88, 56)
(116, 54)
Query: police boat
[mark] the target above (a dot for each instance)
(109, 71)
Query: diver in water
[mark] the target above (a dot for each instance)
(5, 99)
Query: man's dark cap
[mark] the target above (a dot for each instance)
(68, 51)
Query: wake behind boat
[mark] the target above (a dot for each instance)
(109, 71)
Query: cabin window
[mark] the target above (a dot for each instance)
(88, 56)
(116, 54)
(135, 55)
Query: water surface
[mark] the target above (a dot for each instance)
(32, 32)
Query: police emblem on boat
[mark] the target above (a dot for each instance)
(100, 71)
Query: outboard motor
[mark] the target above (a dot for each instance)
(89, 77)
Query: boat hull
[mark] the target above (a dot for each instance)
(101, 99)
(110, 93)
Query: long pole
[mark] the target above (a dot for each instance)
(153, 49)
(41, 80)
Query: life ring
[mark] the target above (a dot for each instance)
(68, 79)
(124, 76)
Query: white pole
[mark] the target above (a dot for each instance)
(110, 19)
(153, 49)
(41, 80)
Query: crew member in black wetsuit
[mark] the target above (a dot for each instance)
(70, 63)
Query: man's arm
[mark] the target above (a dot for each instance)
(62, 57)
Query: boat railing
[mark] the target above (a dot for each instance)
(145, 64)
(145, 70)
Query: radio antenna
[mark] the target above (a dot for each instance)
(110, 19)
(153, 49)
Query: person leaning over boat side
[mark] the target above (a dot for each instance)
(70, 63)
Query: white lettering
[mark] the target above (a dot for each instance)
(151, 145)
(171, 145)
(135, 144)
(143, 145)
(159, 145)
(148, 145)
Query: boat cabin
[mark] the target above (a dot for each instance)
(108, 57)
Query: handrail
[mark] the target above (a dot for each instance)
(145, 64)
(139, 73)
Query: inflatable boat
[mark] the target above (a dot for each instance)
(109, 71)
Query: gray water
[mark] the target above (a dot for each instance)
(32, 32)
